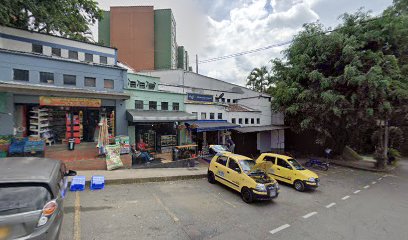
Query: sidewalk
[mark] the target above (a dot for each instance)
(361, 165)
(129, 176)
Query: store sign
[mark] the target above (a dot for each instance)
(199, 97)
(69, 102)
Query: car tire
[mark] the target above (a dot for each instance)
(211, 177)
(299, 185)
(247, 195)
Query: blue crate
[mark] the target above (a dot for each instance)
(77, 184)
(97, 182)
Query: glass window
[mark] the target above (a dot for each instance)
(69, 79)
(295, 164)
(247, 164)
(88, 57)
(222, 99)
(212, 115)
(103, 60)
(219, 115)
(109, 83)
(72, 54)
(270, 159)
(222, 160)
(20, 199)
(56, 52)
(20, 75)
(240, 121)
(37, 48)
(252, 120)
(141, 85)
(47, 77)
(234, 101)
(228, 100)
(203, 115)
(90, 82)
(233, 165)
(152, 105)
(164, 106)
(139, 104)
(258, 121)
(283, 163)
(132, 84)
(246, 120)
(151, 86)
(195, 114)
(176, 106)
(233, 120)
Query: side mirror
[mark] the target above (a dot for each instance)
(71, 173)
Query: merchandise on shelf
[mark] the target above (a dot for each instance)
(39, 124)
(123, 142)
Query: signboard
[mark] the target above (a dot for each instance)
(199, 97)
(69, 102)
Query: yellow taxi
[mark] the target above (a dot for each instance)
(243, 175)
(287, 169)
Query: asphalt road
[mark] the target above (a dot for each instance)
(350, 204)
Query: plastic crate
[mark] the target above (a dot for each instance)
(3, 154)
(77, 184)
(97, 182)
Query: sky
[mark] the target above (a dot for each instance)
(215, 28)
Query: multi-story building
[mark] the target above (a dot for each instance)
(148, 39)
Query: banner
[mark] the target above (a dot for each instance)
(69, 102)
(199, 97)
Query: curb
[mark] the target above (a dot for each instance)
(389, 169)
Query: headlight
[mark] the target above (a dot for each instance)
(311, 179)
(260, 188)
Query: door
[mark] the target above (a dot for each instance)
(283, 170)
(273, 161)
(234, 174)
(221, 169)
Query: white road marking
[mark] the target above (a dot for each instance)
(309, 215)
(366, 186)
(373, 182)
(331, 205)
(279, 228)
(345, 197)
(357, 191)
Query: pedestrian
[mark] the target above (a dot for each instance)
(230, 144)
(144, 154)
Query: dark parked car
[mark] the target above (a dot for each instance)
(31, 197)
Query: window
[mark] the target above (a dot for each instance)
(90, 82)
(164, 106)
(222, 160)
(219, 115)
(252, 121)
(47, 77)
(69, 79)
(141, 85)
(109, 83)
(37, 48)
(72, 54)
(152, 105)
(56, 52)
(88, 57)
(195, 114)
(203, 115)
(222, 99)
(176, 106)
(103, 60)
(132, 84)
(234, 165)
(139, 104)
(151, 86)
(20, 75)
(258, 121)
(283, 163)
(270, 159)
(234, 100)
(212, 115)
(246, 121)
(233, 120)
(228, 100)
(240, 121)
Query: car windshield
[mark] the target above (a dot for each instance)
(246, 165)
(296, 164)
(219, 148)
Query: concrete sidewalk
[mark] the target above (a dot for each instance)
(129, 176)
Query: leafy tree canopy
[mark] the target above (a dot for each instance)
(68, 18)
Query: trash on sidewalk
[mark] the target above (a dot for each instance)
(77, 184)
(97, 182)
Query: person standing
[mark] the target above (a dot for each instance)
(230, 144)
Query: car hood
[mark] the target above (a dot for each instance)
(266, 167)
(308, 174)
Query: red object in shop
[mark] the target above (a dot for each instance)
(76, 128)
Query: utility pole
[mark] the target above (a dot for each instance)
(196, 63)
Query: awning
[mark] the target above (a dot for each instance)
(260, 128)
(158, 116)
(211, 125)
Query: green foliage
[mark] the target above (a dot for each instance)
(68, 18)
(259, 79)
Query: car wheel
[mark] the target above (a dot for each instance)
(247, 195)
(210, 177)
(299, 186)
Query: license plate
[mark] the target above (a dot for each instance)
(272, 193)
(4, 232)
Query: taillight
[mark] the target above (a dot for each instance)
(47, 212)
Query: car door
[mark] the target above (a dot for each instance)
(283, 170)
(221, 170)
(271, 159)
(234, 174)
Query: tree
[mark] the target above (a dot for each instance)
(342, 82)
(68, 18)
(259, 79)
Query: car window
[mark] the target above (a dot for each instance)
(19, 199)
(283, 163)
(295, 164)
(270, 159)
(222, 160)
(233, 164)
(246, 165)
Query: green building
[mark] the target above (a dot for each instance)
(182, 58)
(104, 29)
(165, 45)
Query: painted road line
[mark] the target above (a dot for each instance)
(331, 205)
(279, 228)
(175, 218)
(77, 217)
(309, 215)
(345, 197)
(357, 191)
(374, 182)
(366, 186)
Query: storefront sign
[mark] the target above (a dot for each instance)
(199, 97)
(69, 102)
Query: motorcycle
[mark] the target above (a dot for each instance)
(317, 164)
